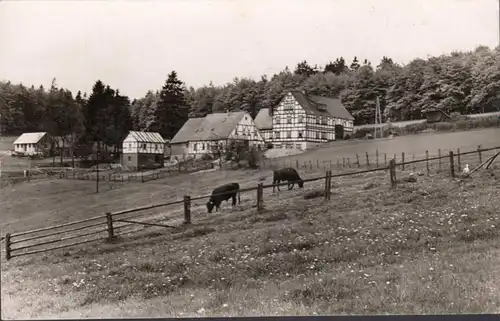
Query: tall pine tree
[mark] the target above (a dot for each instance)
(172, 110)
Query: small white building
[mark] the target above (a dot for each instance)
(33, 143)
(303, 121)
(143, 150)
(204, 135)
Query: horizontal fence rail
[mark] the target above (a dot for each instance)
(93, 229)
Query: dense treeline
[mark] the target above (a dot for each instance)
(465, 82)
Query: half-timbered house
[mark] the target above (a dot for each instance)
(303, 121)
(143, 150)
(205, 135)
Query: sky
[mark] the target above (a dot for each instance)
(133, 45)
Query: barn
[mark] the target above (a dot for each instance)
(436, 116)
(142, 150)
(264, 123)
(33, 143)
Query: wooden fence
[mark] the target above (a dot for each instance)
(109, 226)
(370, 160)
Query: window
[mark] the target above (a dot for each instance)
(195, 147)
(202, 146)
(187, 144)
(288, 106)
(277, 135)
(129, 145)
(130, 158)
(300, 135)
(324, 135)
(324, 121)
(317, 135)
(289, 120)
(156, 146)
(289, 134)
(246, 118)
(143, 146)
(301, 119)
(278, 120)
(318, 121)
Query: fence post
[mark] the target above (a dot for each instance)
(357, 160)
(459, 163)
(338, 163)
(427, 161)
(439, 155)
(403, 160)
(385, 158)
(109, 219)
(327, 190)
(414, 166)
(310, 164)
(317, 163)
(376, 157)
(297, 163)
(187, 209)
(349, 162)
(260, 194)
(343, 162)
(392, 171)
(479, 153)
(7, 247)
(452, 164)
(330, 164)
(367, 160)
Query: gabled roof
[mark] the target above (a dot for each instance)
(333, 106)
(30, 138)
(145, 137)
(263, 120)
(211, 127)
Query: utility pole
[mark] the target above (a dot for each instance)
(97, 167)
(378, 118)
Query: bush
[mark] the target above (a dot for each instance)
(206, 157)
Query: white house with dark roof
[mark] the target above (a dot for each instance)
(303, 121)
(33, 143)
(143, 150)
(202, 135)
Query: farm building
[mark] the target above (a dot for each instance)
(143, 150)
(303, 121)
(204, 135)
(264, 123)
(436, 116)
(33, 143)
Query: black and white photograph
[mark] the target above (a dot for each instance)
(232, 158)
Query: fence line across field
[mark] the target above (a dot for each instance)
(116, 220)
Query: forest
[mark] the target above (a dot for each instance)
(463, 82)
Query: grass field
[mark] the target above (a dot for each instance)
(427, 247)
(410, 145)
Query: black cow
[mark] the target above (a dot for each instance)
(287, 174)
(223, 193)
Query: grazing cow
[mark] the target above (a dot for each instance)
(223, 193)
(287, 174)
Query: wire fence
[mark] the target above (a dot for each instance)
(172, 216)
